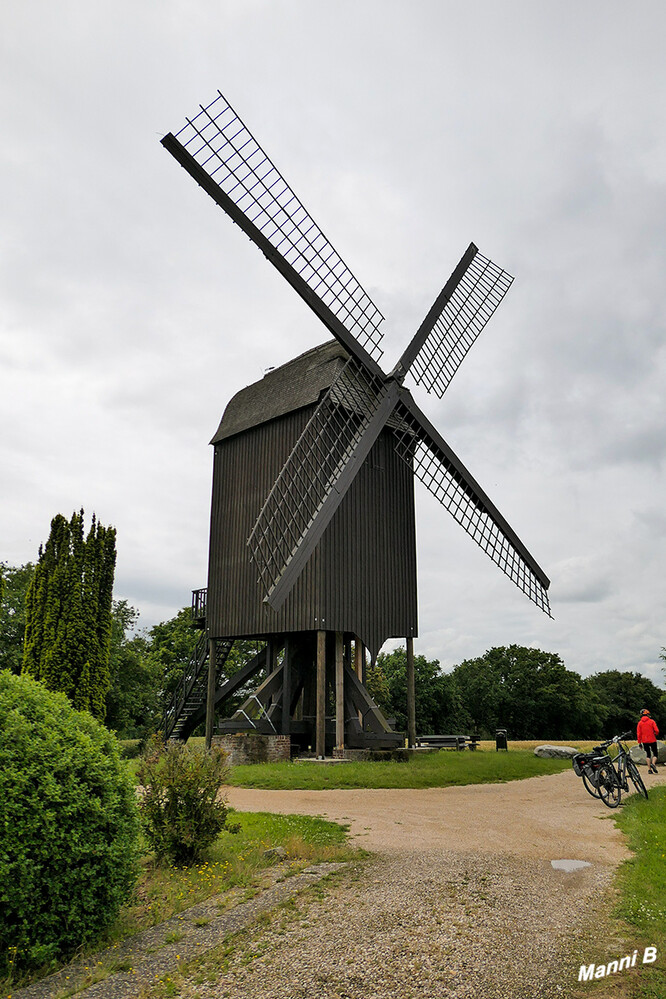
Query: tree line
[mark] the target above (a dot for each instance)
(59, 623)
(529, 692)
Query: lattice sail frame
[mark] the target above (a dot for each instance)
(223, 156)
(318, 459)
(447, 485)
(224, 147)
(475, 298)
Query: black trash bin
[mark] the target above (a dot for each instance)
(500, 739)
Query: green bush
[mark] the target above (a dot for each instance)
(181, 810)
(68, 826)
(131, 749)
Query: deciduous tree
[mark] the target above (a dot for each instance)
(624, 695)
(134, 699)
(439, 707)
(529, 692)
(12, 614)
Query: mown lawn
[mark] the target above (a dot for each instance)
(441, 769)
(642, 884)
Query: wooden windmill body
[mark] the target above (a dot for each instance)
(312, 542)
(361, 577)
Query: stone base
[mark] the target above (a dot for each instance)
(243, 748)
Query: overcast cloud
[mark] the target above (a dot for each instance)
(132, 309)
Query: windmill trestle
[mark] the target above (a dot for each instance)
(309, 685)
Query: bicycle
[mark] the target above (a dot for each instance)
(598, 774)
(616, 772)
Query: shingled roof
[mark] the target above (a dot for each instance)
(292, 386)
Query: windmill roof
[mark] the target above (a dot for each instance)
(292, 386)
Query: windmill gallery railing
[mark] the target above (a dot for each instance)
(199, 599)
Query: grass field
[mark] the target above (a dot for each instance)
(441, 769)
(445, 768)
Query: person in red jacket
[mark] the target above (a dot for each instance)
(646, 734)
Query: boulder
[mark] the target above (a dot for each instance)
(555, 752)
(637, 754)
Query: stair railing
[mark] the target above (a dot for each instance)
(192, 673)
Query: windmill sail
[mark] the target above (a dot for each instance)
(221, 154)
(322, 465)
(458, 315)
(436, 465)
(224, 158)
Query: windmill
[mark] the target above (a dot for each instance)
(311, 548)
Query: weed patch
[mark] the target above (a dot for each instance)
(233, 868)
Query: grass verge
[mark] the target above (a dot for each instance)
(642, 886)
(232, 869)
(637, 918)
(242, 948)
(234, 862)
(442, 769)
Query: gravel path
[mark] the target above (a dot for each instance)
(462, 901)
(459, 901)
(431, 926)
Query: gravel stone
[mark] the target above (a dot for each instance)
(436, 924)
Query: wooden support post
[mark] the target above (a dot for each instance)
(320, 731)
(339, 691)
(210, 694)
(285, 727)
(359, 666)
(411, 696)
(359, 659)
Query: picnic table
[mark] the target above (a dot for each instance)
(458, 742)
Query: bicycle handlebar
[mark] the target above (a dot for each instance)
(616, 739)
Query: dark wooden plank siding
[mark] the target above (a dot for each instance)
(361, 578)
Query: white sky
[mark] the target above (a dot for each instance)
(132, 309)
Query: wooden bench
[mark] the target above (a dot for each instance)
(443, 741)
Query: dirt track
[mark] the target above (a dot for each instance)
(548, 818)
(461, 901)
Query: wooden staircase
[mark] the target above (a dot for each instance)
(187, 705)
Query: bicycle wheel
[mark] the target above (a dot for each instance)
(635, 777)
(610, 791)
(590, 787)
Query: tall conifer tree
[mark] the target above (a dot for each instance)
(68, 612)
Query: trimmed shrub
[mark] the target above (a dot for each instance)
(68, 826)
(181, 810)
